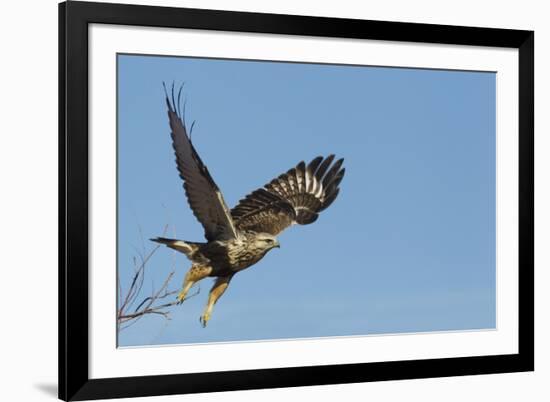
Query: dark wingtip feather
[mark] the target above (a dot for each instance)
(301, 168)
(179, 99)
(329, 200)
(301, 176)
(323, 167)
(314, 164)
(191, 130)
(341, 174)
(310, 169)
(336, 180)
(332, 172)
(173, 99)
(166, 97)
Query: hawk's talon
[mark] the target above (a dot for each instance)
(204, 319)
(181, 298)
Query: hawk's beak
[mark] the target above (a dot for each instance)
(277, 245)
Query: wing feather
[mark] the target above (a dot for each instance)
(296, 196)
(310, 172)
(204, 196)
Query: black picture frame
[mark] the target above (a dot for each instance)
(74, 381)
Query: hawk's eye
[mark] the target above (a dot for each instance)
(269, 240)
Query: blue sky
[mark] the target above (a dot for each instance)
(409, 244)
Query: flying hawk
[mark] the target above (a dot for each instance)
(239, 238)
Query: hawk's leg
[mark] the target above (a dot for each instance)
(195, 274)
(215, 293)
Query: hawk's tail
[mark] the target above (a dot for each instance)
(187, 248)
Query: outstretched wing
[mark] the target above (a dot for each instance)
(204, 196)
(296, 196)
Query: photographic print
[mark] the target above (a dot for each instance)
(264, 200)
(253, 201)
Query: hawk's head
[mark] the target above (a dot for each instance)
(265, 242)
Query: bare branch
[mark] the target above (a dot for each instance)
(154, 309)
(150, 305)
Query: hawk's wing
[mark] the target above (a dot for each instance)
(296, 196)
(204, 196)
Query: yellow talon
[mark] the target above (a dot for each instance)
(181, 296)
(204, 319)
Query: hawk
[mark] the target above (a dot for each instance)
(237, 239)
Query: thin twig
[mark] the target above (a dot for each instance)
(149, 304)
(155, 309)
(137, 281)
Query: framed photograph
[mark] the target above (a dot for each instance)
(258, 201)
